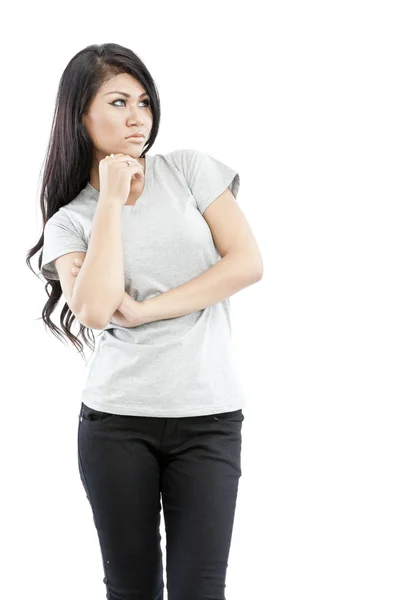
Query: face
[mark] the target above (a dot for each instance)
(112, 117)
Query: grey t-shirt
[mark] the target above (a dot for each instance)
(176, 367)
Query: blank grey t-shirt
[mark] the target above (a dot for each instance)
(176, 367)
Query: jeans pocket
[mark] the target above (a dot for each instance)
(94, 417)
(235, 416)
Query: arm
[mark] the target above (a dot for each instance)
(227, 277)
(100, 284)
(240, 266)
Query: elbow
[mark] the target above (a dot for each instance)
(257, 276)
(252, 267)
(95, 319)
(95, 315)
(85, 317)
(88, 319)
(256, 271)
(259, 269)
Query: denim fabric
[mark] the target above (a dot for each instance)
(130, 464)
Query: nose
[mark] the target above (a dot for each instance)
(134, 117)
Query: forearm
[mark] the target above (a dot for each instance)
(227, 277)
(100, 284)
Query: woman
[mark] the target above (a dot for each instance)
(162, 245)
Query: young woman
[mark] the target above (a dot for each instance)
(147, 248)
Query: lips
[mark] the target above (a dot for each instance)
(136, 135)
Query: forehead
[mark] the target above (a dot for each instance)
(122, 82)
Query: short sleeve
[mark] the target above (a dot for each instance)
(208, 177)
(60, 237)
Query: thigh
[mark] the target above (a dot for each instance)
(121, 478)
(199, 489)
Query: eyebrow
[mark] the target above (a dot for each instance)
(125, 94)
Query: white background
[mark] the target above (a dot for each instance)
(303, 99)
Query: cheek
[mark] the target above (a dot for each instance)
(106, 120)
(110, 124)
(105, 131)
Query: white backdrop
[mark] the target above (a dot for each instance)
(303, 99)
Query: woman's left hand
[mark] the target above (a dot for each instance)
(124, 315)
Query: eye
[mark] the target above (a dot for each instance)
(123, 100)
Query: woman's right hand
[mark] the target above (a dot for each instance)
(116, 176)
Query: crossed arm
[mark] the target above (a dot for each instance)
(228, 276)
(240, 266)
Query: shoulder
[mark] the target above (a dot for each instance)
(185, 160)
(60, 217)
(70, 215)
(201, 170)
(179, 157)
(65, 221)
(181, 153)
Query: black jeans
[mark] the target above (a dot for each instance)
(127, 464)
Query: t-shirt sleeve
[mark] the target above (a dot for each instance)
(61, 236)
(208, 177)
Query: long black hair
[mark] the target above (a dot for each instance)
(70, 152)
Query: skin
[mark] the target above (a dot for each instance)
(130, 312)
(111, 118)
